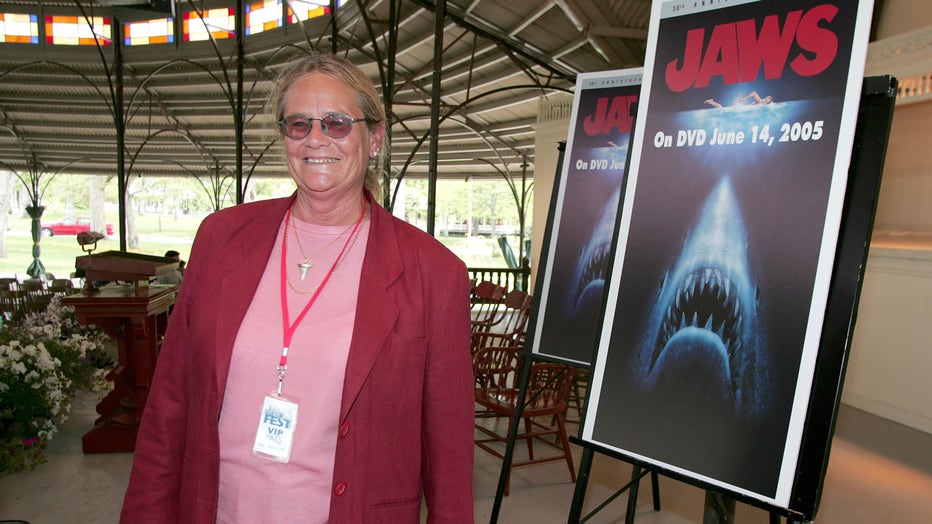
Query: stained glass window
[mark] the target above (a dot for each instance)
(221, 23)
(19, 28)
(74, 30)
(307, 9)
(263, 15)
(160, 31)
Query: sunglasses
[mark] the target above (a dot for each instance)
(334, 125)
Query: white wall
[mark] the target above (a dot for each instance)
(890, 369)
(905, 204)
(551, 129)
(902, 16)
(889, 372)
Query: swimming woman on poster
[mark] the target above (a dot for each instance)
(750, 99)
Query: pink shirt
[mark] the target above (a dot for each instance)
(254, 489)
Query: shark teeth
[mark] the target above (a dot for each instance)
(707, 300)
(595, 269)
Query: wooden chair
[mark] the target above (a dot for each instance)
(61, 286)
(37, 296)
(509, 330)
(547, 390)
(576, 400)
(484, 303)
(496, 371)
(11, 300)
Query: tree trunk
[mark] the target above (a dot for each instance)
(6, 194)
(97, 197)
(132, 238)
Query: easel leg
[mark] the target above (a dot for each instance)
(582, 483)
(719, 509)
(633, 495)
(655, 489)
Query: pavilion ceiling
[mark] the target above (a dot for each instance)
(498, 60)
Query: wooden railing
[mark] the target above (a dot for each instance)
(509, 278)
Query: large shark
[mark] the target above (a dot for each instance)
(589, 274)
(703, 344)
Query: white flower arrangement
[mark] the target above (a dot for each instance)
(42, 362)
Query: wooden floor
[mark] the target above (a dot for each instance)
(879, 472)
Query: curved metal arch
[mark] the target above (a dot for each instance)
(521, 201)
(255, 163)
(216, 47)
(100, 51)
(504, 173)
(134, 156)
(213, 192)
(63, 66)
(33, 188)
(163, 67)
(454, 109)
(263, 67)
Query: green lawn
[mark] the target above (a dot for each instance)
(157, 235)
(161, 233)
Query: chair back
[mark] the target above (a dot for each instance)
(484, 302)
(509, 330)
(517, 310)
(496, 371)
(548, 388)
(37, 295)
(61, 286)
(11, 304)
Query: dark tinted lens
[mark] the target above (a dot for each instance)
(337, 126)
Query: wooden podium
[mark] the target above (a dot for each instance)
(136, 316)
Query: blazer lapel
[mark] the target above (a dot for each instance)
(377, 309)
(242, 268)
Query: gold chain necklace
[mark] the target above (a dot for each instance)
(303, 267)
(337, 265)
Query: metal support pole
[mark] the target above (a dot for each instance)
(388, 97)
(238, 120)
(439, 15)
(120, 127)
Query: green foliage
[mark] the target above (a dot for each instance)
(168, 212)
(488, 201)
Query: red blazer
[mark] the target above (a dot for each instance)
(406, 419)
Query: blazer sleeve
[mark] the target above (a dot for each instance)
(449, 409)
(154, 492)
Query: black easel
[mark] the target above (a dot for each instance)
(582, 483)
(875, 116)
(528, 360)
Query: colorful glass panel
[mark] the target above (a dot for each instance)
(19, 28)
(308, 9)
(219, 23)
(263, 15)
(160, 31)
(73, 30)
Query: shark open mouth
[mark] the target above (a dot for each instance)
(592, 277)
(708, 300)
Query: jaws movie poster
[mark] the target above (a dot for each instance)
(587, 195)
(727, 237)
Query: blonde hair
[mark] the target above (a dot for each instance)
(345, 71)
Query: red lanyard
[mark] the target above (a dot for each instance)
(289, 329)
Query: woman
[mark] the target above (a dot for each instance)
(317, 364)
